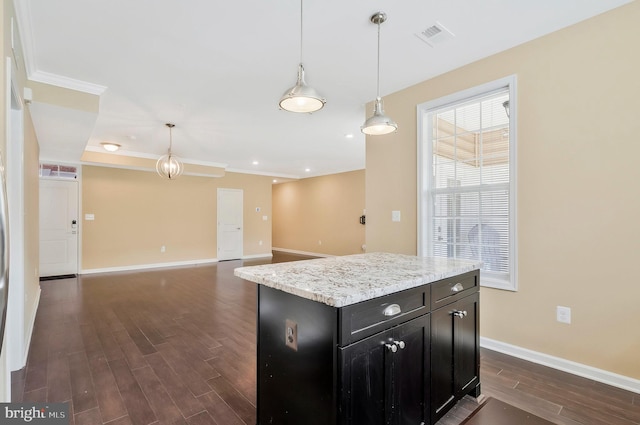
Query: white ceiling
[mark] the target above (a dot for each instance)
(217, 70)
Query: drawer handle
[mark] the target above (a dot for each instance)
(457, 287)
(392, 310)
(460, 314)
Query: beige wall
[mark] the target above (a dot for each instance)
(31, 225)
(323, 209)
(578, 100)
(137, 212)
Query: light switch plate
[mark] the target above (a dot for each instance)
(395, 215)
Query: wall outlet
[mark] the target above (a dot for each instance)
(291, 334)
(260, 243)
(563, 314)
(395, 216)
(163, 248)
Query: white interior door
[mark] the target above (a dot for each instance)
(230, 224)
(58, 227)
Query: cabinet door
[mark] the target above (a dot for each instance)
(365, 381)
(455, 354)
(410, 372)
(466, 352)
(443, 393)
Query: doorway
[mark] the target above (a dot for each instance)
(58, 227)
(230, 224)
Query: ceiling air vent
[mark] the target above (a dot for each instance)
(435, 34)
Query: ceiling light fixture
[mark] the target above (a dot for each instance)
(301, 98)
(110, 147)
(169, 166)
(378, 123)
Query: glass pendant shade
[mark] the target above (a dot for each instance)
(169, 166)
(378, 124)
(301, 98)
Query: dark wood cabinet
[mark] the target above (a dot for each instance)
(384, 379)
(400, 359)
(455, 354)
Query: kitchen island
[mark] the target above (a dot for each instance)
(365, 339)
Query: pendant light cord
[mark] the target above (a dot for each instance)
(170, 135)
(378, 82)
(301, 31)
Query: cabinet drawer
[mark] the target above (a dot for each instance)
(364, 319)
(448, 290)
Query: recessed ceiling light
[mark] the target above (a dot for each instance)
(349, 136)
(111, 147)
(275, 181)
(307, 169)
(132, 137)
(255, 162)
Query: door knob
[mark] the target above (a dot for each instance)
(392, 347)
(400, 344)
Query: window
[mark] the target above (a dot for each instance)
(61, 171)
(467, 179)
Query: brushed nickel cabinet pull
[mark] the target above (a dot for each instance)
(460, 314)
(392, 310)
(457, 287)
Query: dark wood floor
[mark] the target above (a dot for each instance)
(177, 346)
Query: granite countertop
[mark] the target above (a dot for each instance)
(341, 281)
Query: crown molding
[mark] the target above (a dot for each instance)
(122, 152)
(23, 17)
(66, 82)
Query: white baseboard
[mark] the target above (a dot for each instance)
(32, 322)
(171, 264)
(595, 374)
(251, 257)
(293, 251)
(149, 266)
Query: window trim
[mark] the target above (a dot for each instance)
(422, 109)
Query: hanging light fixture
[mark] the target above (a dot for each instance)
(378, 123)
(301, 98)
(169, 166)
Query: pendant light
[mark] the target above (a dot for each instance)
(169, 166)
(378, 123)
(301, 98)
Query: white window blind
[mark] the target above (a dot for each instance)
(467, 186)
